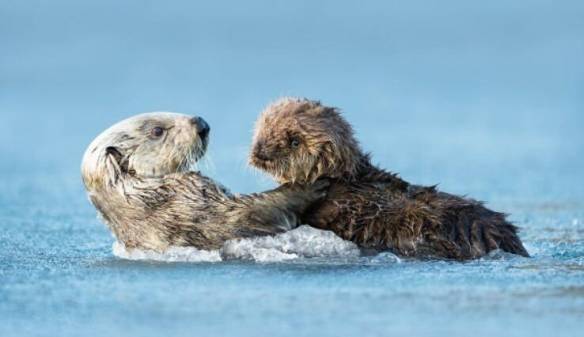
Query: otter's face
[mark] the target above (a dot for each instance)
(148, 145)
(298, 140)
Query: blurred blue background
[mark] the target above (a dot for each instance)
(492, 84)
(485, 98)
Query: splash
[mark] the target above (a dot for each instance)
(172, 254)
(300, 243)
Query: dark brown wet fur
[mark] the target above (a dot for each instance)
(299, 140)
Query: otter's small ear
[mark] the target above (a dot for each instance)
(113, 157)
(110, 150)
(120, 161)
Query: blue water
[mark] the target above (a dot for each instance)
(483, 98)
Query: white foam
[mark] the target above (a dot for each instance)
(384, 258)
(172, 254)
(302, 242)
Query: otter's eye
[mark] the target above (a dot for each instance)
(294, 142)
(157, 132)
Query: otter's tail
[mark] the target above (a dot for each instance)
(509, 240)
(479, 231)
(499, 233)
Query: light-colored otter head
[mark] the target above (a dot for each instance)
(149, 145)
(300, 140)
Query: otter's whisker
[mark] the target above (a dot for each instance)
(207, 164)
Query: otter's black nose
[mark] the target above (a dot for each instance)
(260, 153)
(202, 126)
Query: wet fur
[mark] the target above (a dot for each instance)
(372, 207)
(144, 191)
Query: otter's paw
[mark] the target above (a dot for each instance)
(305, 193)
(320, 188)
(298, 197)
(312, 192)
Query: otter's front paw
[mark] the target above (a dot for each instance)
(318, 190)
(306, 195)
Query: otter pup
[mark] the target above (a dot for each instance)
(300, 140)
(137, 176)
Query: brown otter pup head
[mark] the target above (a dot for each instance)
(149, 145)
(300, 140)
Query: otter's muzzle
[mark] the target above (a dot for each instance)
(260, 152)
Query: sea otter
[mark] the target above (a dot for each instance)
(298, 140)
(137, 176)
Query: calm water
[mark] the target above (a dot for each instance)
(485, 100)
